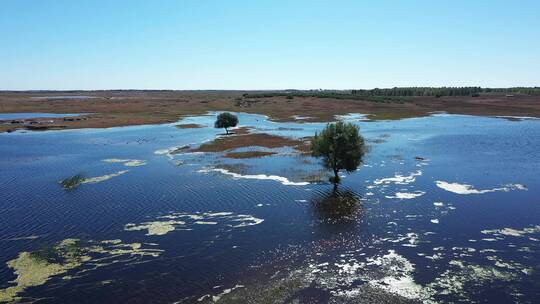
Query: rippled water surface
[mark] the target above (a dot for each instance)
(445, 208)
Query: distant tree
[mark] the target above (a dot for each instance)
(341, 146)
(226, 120)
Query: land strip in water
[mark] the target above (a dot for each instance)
(131, 107)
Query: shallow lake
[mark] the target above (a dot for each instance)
(6, 116)
(445, 208)
(64, 97)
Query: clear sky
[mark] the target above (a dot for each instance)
(269, 44)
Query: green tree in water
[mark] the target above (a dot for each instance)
(341, 147)
(226, 120)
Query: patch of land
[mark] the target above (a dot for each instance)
(249, 154)
(122, 108)
(189, 126)
(245, 139)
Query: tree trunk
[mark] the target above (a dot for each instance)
(336, 177)
(226, 131)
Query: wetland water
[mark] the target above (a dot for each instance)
(6, 116)
(460, 223)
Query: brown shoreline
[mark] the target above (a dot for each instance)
(124, 108)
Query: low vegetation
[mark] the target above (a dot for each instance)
(222, 144)
(249, 154)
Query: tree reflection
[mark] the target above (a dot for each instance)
(337, 206)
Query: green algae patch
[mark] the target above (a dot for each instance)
(39, 266)
(36, 268)
(155, 228)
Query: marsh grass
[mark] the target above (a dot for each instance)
(73, 182)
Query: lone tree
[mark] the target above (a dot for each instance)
(341, 146)
(226, 120)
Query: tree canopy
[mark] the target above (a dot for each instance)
(341, 147)
(226, 120)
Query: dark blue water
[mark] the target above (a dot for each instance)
(445, 208)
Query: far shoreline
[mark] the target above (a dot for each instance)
(137, 107)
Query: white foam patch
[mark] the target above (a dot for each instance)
(399, 179)
(410, 239)
(435, 221)
(438, 204)
(285, 181)
(407, 195)
(246, 220)
(300, 117)
(217, 297)
(513, 232)
(98, 179)
(126, 162)
(398, 278)
(169, 151)
(352, 116)
(469, 189)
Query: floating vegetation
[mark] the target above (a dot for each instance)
(72, 182)
(155, 228)
(37, 267)
(188, 221)
(469, 189)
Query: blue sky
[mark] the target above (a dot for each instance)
(204, 44)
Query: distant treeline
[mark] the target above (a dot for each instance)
(397, 94)
(445, 91)
(290, 94)
(420, 91)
